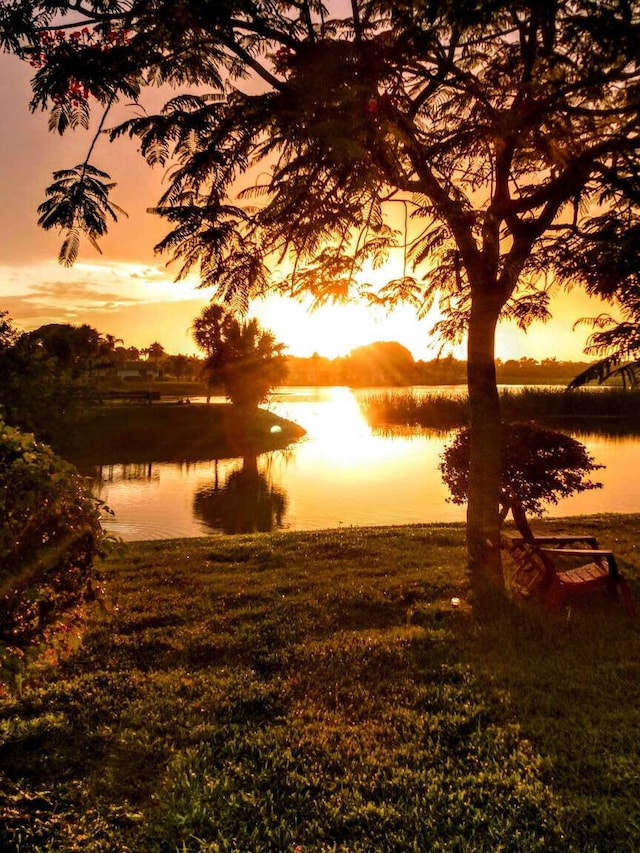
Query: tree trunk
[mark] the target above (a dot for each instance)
(483, 515)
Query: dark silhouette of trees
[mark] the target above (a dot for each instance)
(607, 261)
(154, 352)
(241, 357)
(381, 363)
(246, 503)
(538, 466)
(8, 334)
(179, 366)
(78, 349)
(491, 127)
(46, 373)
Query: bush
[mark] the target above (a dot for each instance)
(50, 534)
(538, 466)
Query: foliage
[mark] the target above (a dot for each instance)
(50, 534)
(179, 366)
(35, 394)
(381, 363)
(607, 261)
(318, 691)
(46, 374)
(538, 466)
(240, 356)
(154, 352)
(467, 140)
(608, 411)
(449, 106)
(78, 203)
(8, 334)
(317, 370)
(434, 410)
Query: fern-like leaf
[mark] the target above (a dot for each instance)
(78, 203)
(69, 114)
(70, 247)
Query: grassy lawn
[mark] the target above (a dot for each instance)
(318, 692)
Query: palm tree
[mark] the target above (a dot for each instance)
(178, 365)
(242, 357)
(154, 352)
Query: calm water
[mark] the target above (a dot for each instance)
(340, 473)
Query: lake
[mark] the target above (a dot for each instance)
(342, 473)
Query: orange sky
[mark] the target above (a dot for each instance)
(129, 293)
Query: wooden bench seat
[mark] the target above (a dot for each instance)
(548, 569)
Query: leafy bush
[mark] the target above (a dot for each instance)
(538, 466)
(50, 533)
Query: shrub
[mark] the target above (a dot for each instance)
(538, 466)
(50, 534)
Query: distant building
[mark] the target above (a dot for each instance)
(133, 370)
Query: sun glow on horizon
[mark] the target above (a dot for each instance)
(334, 330)
(141, 303)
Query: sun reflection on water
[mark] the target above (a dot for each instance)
(341, 473)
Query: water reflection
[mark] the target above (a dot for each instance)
(246, 503)
(130, 471)
(341, 473)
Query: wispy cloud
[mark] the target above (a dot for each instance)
(76, 291)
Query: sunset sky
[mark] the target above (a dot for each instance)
(129, 293)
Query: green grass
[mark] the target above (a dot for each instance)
(318, 692)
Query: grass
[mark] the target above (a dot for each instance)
(127, 434)
(318, 692)
(605, 410)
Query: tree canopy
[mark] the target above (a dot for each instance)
(381, 363)
(539, 467)
(608, 262)
(243, 358)
(46, 373)
(474, 140)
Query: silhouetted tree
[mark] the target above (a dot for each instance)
(607, 261)
(491, 126)
(240, 356)
(46, 373)
(381, 363)
(178, 365)
(39, 386)
(8, 334)
(246, 503)
(154, 352)
(538, 466)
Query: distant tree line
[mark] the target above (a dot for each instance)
(390, 364)
(47, 373)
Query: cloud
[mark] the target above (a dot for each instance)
(21, 308)
(138, 323)
(66, 291)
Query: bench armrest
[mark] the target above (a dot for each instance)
(578, 552)
(589, 540)
(583, 553)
